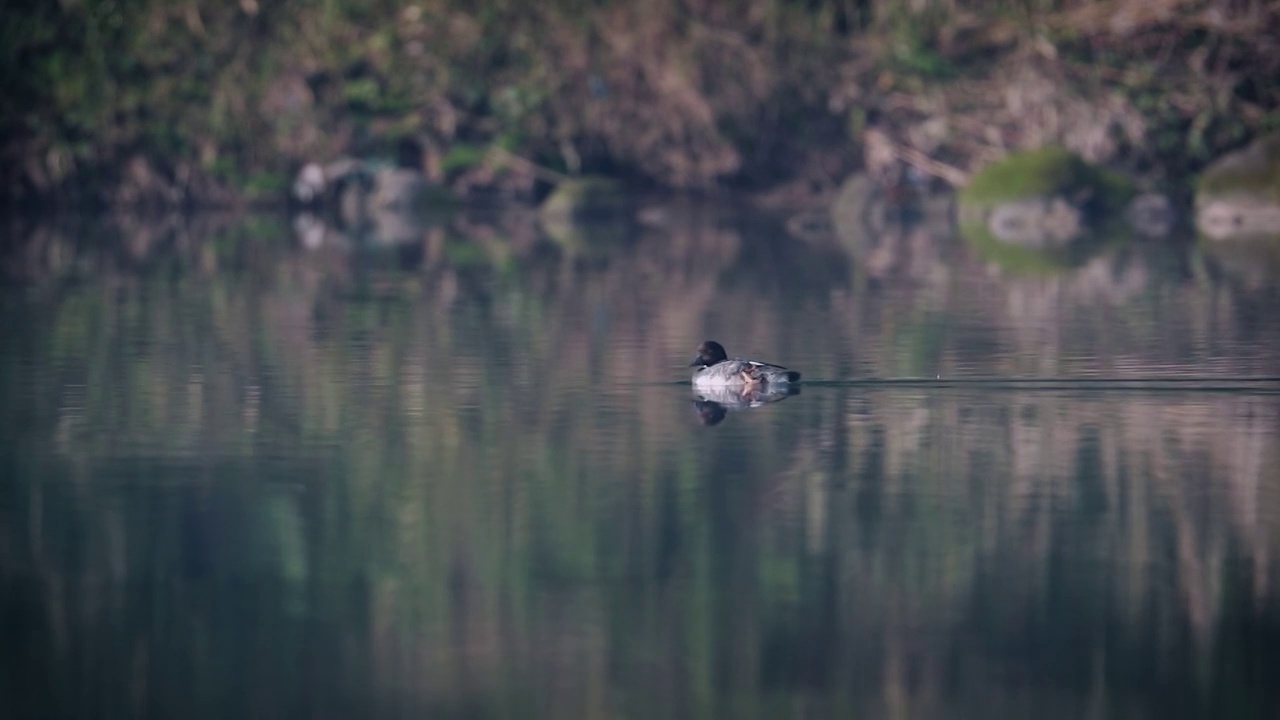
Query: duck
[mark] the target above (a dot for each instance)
(717, 370)
(713, 403)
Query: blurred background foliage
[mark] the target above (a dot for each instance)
(195, 102)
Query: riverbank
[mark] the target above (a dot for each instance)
(201, 104)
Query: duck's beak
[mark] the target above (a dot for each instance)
(697, 360)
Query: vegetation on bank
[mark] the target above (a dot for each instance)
(150, 102)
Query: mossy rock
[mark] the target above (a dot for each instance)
(1045, 260)
(1252, 263)
(598, 237)
(1238, 196)
(403, 190)
(584, 198)
(1047, 173)
(587, 216)
(1017, 258)
(1043, 210)
(1254, 170)
(864, 220)
(850, 212)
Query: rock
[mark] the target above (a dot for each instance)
(1251, 265)
(1238, 218)
(582, 199)
(399, 189)
(587, 215)
(887, 238)
(1238, 196)
(1036, 222)
(850, 211)
(356, 187)
(810, 225)
(1150, 215)
(1042, 209)
(863, 210)
(377, 204)
(310, 183)
(309, 230)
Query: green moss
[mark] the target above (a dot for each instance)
(585, 196)
(1028, 174)
(1115, 190)
(1255, 261)
(1045, 172)
(266, 184)
(462, 156)
(1110, 235)
(598, 238)
(583, 215)
(425, 199)
(462, 254)
(436, 197)
(1254, 170)
(1018, 259)
(362, 93)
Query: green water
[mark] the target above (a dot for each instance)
(246, 475)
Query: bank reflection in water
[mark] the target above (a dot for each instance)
(438, 478)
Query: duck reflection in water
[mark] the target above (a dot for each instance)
(713, 404)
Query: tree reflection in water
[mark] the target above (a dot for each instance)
(248, 477)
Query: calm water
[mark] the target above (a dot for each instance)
(252, 473)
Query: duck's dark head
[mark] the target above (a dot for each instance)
(709, 353)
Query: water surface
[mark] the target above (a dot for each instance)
(252, 474)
